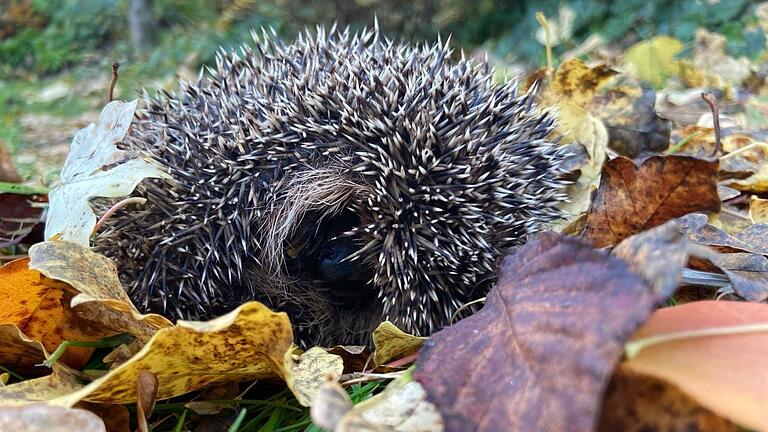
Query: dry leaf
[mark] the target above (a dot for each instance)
(331, 403)
(758, 210)
(47, 418)
(146, 389)
(634, 198)
(101, 298)
(640, 403)
(309, 372)
(7, 170)
(402, 407)
(539, 354)
(115, 417)
(654, 60)
(38, 307)
(21, 354)
(392, 343)
(713, 351)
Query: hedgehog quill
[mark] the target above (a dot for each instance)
(343, 178)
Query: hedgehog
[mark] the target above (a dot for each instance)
(344, 178)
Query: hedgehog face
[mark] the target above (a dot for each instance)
(343, 179)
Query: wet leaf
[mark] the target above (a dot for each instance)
(634, 198)
(95, 168)
(557, 298)
(712, 351)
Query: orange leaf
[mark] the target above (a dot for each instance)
(36, 306)
(716, 352)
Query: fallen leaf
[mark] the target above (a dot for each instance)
(47, 418)
(754, 239)
(571, 91)
(710, 58)
(21, 354)
(655, 60)
(401, 407)
(146, 389)
(629, 114)
(657, 255)
(714, 352)
(634, 198)
(640, 403)
(309, 371)
(331, 403)
(38, 307)
(747, 272)
(391, 343)
(62, 381)
(248, 343)
(540, 353)
(100, 297)
(115, 417)
(95, 168)
(758, 210)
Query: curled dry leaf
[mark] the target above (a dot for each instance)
(39, 308)
(331, 403)
(633, 198)
(571, 91)
(95, 168)
(539, 354)
(629, 114)
(100, 296)
(62, 381)
(146, 389)
(401, 407)
(248, 343)
(49, 418)
(307, 373)
(21, 354)
(715, 352)
(391, 343)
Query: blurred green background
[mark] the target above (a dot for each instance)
(55, 55)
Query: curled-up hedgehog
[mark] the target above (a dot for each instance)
(344, 179)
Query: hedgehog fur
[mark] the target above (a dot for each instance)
(344, 178)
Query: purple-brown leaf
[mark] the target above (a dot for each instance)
(539, 354)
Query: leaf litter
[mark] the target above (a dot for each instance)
(571, 338)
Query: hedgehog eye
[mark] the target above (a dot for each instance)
(316, 253)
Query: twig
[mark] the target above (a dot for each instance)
(712, 102)
(112, 83)
(465, 306)
(116, 207)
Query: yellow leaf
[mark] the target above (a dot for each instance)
(392, 343)
(655, 60)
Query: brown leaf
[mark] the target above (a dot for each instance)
(634, 198)
(753, 239)
(747, 272)
(146, 396)
(657, 255)
(641, 403)
(115, 417)
(539, 354)
(629, 115)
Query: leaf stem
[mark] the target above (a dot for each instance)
(631, 349)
